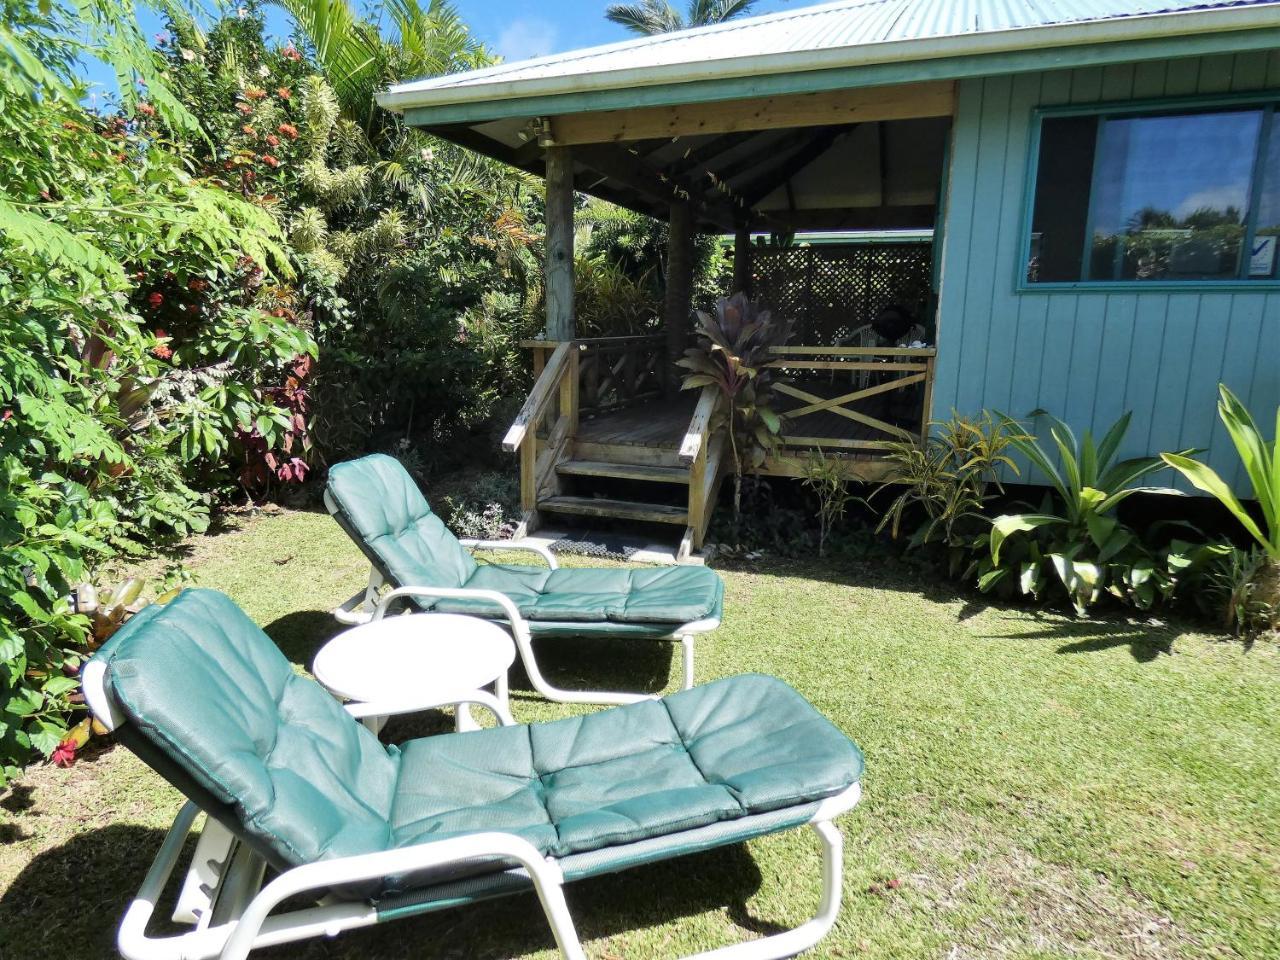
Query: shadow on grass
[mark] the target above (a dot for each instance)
(99, 870)
(632, 666)
(1146, 641)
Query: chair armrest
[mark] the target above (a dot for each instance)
(480, 698)
(509, 611)
(546, 876)
(541, 551)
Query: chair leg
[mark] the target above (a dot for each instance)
(686, 641)
(524, 646)
(808, 934)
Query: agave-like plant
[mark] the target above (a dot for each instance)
(1261, 459)
(732, 354)
(1088, 550)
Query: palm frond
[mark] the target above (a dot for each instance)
(648, 17)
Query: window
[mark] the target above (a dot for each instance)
(1157, 197)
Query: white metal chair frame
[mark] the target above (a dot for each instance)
(232, 912)
(362, 608)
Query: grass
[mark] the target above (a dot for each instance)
(1037, 786)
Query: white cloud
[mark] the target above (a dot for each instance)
(1215, 198)
(526, 37)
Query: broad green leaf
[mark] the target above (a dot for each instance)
(1003, 527)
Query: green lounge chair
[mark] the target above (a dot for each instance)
(360, 833)
(380, 507)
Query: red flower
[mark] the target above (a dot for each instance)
(291, 53)
(155, 299)
(270, 161)
(146, 109)
(289, 130)
(197, 284)
(244, 108)
(272, 140)
(65, 755)
(6, 415)
(284, 93)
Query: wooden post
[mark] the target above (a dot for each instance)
(742, 260)
(679, 293)
(559, 265)
(569, 392)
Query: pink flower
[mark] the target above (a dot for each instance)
(291, 53)
(289, 130)
(146, 109)
(156, 299)
(270, 161)
(65, 755)
(6, 415)
(284, 93)
(272, 140)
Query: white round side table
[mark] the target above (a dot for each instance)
(403, 664)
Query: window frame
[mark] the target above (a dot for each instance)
(1268, 100)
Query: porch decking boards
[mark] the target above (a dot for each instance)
(662, 423)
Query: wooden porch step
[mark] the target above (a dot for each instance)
(620, 509)
(623, 471)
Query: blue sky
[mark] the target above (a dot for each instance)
(514, 28)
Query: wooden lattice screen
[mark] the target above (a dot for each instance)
(832, 289)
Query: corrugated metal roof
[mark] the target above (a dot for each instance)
(857, 26)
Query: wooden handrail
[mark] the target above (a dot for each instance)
(544, 390)
(855, 351)
(699, 423)
(595, 341)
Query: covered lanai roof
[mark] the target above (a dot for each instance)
(752, 119)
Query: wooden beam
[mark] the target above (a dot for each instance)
(854, 218)
(679, 293)
(626, 168)
(742, 260)
(903, 102)
(761, 186)
(706, 154)
(559, 245)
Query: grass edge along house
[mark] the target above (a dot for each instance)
(1101, 179)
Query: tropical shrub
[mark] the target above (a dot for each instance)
(732, 354)
(1261, 459)
(950, 478)
(1076, 544)
(111, 426)
(489, 509)
(826, 477)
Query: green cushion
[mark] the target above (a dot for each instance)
(211, 691)
(383, 510)
(380, 506)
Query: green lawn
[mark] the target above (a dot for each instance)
(1036, 786)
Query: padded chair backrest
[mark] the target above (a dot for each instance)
(220, 705)
(382, 509)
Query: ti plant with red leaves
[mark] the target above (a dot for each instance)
(734, 347)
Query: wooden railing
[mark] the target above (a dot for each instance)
(613, 372)
(702, 450)
(544, 429)
(875, 371)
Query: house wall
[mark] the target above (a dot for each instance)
(1089, 357)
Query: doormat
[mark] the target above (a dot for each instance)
(609, 546)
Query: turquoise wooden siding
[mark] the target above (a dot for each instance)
(1090, 356)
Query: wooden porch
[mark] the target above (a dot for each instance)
(606, 434)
